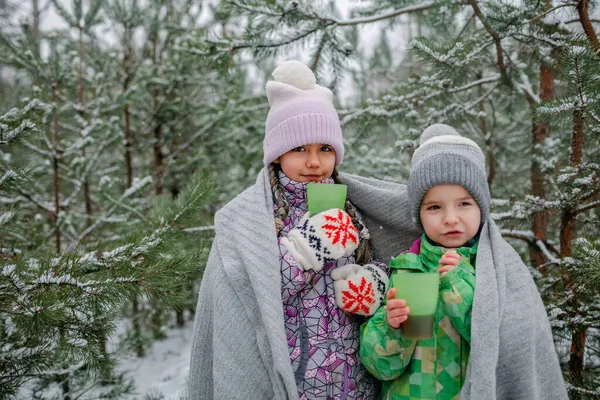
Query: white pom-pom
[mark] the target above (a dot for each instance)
(437, 130)
(296, 74)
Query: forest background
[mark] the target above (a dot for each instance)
(125, 124)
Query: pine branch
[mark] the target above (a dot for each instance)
(99, 221)
(550, 11)
(587, 207)
(416, 8)
(495, 37)
(543, 245)
(58, 311)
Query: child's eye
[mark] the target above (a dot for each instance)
(326, 148)
(433, 207)
(466, 203)
(301, 148)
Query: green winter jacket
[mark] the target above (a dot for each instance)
(433, 368)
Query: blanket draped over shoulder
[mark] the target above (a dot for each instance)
(512, 349)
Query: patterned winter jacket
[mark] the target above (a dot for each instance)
(323, 340)
(431, 368)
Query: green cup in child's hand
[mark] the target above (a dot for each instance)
(421, 291)
(322, 197)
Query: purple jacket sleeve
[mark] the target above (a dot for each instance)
(293, 278)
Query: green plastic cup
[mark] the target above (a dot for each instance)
(322, 196)
(421, 291)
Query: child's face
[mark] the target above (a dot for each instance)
(309, 163)
(450, 215)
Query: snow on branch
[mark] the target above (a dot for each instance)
(588, 206)
(253, 9)
(35, 148)
(137, 186)
(200, 228)
(92, 260)
(530, 238)
(421, 6)
(8, 175)
(542, 246)
(525, 86)
(266, 11)
(25, 125)
(8, 135)
(45, 205)
(591, 393)
(5, 217)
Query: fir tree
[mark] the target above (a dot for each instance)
(56, 311)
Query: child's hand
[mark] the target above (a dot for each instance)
(321, 238)
(396, 310)
(359, 290)
(448, 262)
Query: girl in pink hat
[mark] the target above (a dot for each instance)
(284, 292)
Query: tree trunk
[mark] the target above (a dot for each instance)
(567, 231)
(179, 317)
(179, 311)
(127, 143)
(56, 155)
(540, 132)
(495, 37)
(586, 23)
(3, 17)
(159, 169)
(127, 60)
(491, 156)
(578, 339)
(577, 136)
(35, 27)
(87, 197)
(159, 157)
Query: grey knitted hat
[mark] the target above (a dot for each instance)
(445, 157)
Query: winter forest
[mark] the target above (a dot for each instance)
(125, 124)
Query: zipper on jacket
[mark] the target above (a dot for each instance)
(299, 374)
(345, 384)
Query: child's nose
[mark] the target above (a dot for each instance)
(450, 218)
(313, 161)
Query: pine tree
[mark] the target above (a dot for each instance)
(118, 126)
(56, 311)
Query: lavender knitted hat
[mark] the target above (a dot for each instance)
(446, 157)
(301, 113)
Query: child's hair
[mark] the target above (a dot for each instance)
(363, 252)
(446, 157)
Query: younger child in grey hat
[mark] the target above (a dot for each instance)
(450, 200)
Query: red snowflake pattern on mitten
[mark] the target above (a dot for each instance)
(339, 229)
(359, 297)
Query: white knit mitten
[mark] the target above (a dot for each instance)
(322, 238)
(359, 290)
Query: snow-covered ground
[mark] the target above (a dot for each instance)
(164, 370)
(161, 374)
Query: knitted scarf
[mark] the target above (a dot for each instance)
(428, 258)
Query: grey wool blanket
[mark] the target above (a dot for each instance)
(512, 349)
(239, 348)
